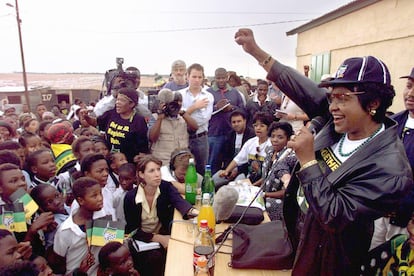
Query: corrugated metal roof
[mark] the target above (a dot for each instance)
(341, 11)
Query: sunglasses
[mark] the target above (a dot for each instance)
(341, 98)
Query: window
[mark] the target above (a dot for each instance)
(14, 99)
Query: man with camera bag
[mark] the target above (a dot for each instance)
(168, 129)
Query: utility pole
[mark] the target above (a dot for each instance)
(19, 21)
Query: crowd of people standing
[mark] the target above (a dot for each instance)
(123, 159)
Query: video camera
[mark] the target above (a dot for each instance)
(118, 78)
(172, 103)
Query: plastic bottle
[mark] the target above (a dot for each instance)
(202, 269)
(207, 186)
(191, 182)
(207, 213)
(204, 246)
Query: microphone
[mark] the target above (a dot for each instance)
(224, 202)
(315, 126)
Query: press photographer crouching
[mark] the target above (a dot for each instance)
(168, 127)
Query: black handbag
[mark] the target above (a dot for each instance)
(263, 246)
(253, 215)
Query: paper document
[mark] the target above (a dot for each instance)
(141, 246)
(220, 109)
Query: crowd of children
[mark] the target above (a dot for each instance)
(71, 183)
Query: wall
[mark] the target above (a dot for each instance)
(384, 29)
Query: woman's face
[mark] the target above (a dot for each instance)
(99, 171)
(279, 139)
(151, 175)
(348, 114)
(260, 129)
(123, 104)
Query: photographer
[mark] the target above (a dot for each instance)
(168, 129)
(116, 79)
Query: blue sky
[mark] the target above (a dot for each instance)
(61, 36)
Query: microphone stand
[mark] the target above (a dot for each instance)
(231, 227)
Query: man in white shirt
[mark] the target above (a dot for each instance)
(199, 104)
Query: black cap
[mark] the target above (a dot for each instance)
(360, 70)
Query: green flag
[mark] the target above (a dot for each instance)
(12, 217)
(30, 206)
(104, 230)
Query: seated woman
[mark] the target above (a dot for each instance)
(149, 214)
(276, 168)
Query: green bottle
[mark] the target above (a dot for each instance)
(191, 182)
(207, 186)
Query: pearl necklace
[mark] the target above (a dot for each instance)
(341, 143)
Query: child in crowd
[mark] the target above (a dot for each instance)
(11, 179)
(16, 148)
(41, 265)
(81, 147)
(7, 156)
(41, 167)
(31, 142)
(43, 126)
(72, 254)
(115, 160)
(101, 145)
(31, 126)
(115, 259)
(50, 200)
(127, 181)
(175, 171)
(96, 167)
(87, 131)
(18, 151)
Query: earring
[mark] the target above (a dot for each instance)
(372, 112)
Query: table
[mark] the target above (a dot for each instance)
(180, 253)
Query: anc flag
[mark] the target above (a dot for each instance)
(104, 230)
(12, 217)
(30, 206)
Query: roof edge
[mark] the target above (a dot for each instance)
(341, 11)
